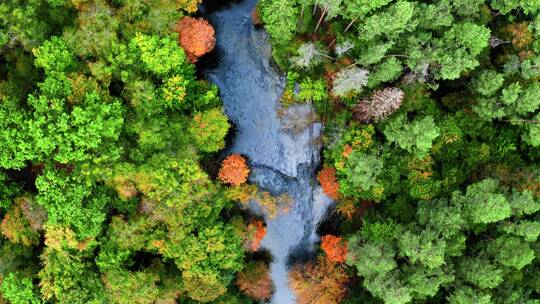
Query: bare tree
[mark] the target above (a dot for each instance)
(349, 80)
(381, 104)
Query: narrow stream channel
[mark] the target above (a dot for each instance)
(283, 147)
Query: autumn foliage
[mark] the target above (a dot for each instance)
(189, 6)
(196, 37)
(335, 248)
(255, 281)
(256, 16)
(256, 232)
(234, 170)
(23, 221)
(272, 205)
(318, 283)
(329, 183)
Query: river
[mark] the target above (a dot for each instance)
(283, 147)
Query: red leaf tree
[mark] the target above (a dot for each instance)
(196, 36)
(335, 248)
(329, 183)
(256, 232)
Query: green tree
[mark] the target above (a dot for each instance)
(370, 259)
(387, 71)
(488, 83)
(511, 251)
(415, 137)
(483, 203)
(424, 247)
(529, 230)
(389, 288)
(505, 6)
(71, 200)
(312, 90)
(160, 56)
(465, 294)
(54, 56)
(360, 176)
(425, 282)
(16, 145)
(391, 22)
(19, 290)
(280, 17)
(480, 272)
(208, 130)
(457, 51)
(49, 130)
(359, 8)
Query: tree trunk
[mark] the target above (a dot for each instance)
(332, 43)
(320, 20)
(350, 24)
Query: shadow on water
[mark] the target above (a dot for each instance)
(281, 161)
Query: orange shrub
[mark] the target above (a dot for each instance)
(234, 170)
(346, 208)
(23, 221)
(329, 183)
(520, 34)
(256, 232)
(318, 283)
(15, 228)
(126, 190)
(335, 248)
(347, 151)
(255, 281)
(196, 37)
(256, 16)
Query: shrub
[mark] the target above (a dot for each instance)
(234, 170)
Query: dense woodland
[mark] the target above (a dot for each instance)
(113, 190)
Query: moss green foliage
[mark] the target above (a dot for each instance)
(439, 200)
(103, 129)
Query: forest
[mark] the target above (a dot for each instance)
(116, 185)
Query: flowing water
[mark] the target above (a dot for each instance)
(283, 147)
